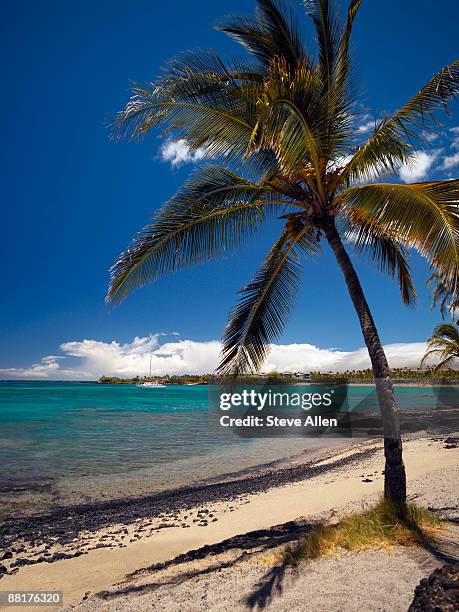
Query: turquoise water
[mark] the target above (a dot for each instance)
(66, 442)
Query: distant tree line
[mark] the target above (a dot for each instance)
(398, 374)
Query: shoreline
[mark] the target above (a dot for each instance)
(88, 549)
(98, 515)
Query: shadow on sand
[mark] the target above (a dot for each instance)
(444, 549)
(247, 545)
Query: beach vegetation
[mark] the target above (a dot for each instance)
(278, 129)
(379, 527)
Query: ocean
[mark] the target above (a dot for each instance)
(67, 442)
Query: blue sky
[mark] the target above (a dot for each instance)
(72, 199)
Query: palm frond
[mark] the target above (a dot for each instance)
(272, 33)
(442, 295)
(260, 315)
(422, 216)
(343, 60)
(204, 68)
(210, 105)
(381, 247)
(446, 332)
(214, 212)
(285, 118)
(221, 126)
(446, 359)
(443, 344)
(389, 146)
(445, 362)
(328, 38)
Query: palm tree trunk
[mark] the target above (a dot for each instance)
(394, 475)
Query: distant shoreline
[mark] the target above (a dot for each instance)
(351, 383)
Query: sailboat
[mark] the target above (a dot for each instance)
(153, 384)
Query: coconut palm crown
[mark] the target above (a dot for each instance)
(278, 127)
(443, 344)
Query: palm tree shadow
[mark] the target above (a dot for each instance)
(248, 544)
(270, 586)
(183, 577)
(444, 548)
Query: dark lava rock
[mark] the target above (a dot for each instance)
(3, 570)
(439, 592)
(367, 480)
(58, 557)
(451, 443)
(20, 562)
(7, 555)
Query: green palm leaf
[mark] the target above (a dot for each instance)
(423, 216)
(214, 212)
(328, 38)
(343, 63)
(260, 315)
(443, 295)
(389, 146)
(383, 248)
(222, 129)
(272, 33)
(286, 113)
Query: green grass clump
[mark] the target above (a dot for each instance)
(375, 528)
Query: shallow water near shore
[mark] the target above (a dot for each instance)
(64, 443)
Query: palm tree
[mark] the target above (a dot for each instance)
(442, 296)
(444, 344)
(280, 127)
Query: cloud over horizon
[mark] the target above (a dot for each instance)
(96, 358)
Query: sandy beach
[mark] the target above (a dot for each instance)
(66, 553)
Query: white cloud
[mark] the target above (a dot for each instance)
(455, 138)
(418, 167)
(177, 152)
(95, 358)
(48, 368)
(306, 357)
(449, 161)
(365, 127)
(430, 136)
